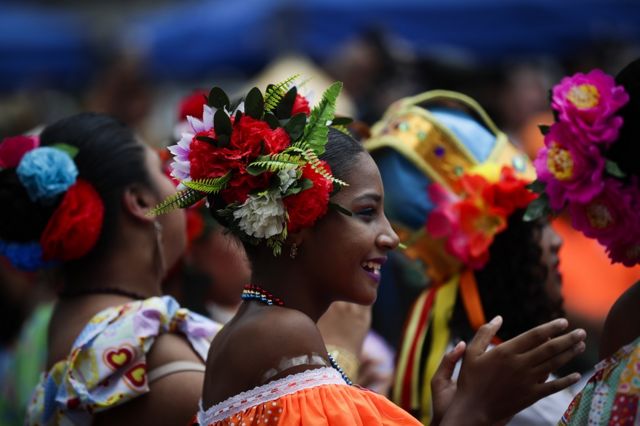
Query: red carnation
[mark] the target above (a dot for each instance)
(75, 226)
(301, 104)
(276, 140)
(308, 206)
(242, 183)
(192, 105)
(247, 135)
(208, 161)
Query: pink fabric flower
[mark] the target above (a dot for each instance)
(471, 221)
(610, 216)
(572, 172)
(13, 148)
(588, 104)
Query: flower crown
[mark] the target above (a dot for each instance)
(47, 173)
(470, 221)
(574, 170)
(257, 162)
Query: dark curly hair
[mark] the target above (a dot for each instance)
(512, 283)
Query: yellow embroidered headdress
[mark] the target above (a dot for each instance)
(436, 137)
(451, 180)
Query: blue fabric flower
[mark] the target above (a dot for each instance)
(24, 256)
(46, 173)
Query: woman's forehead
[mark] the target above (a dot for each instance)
(363, 178)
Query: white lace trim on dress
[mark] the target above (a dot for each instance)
(269, 392)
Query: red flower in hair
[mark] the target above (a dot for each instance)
(75, 226)
(242, 184)
(254, 137)
(276, 140)
(510, 192)
(208, 161)
(471, 217)
(192, 105)
(301, 104)
(306, 207)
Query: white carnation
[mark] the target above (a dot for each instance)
(261, 216)
(287, 178)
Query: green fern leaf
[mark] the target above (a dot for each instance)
(208, 186)
(270, 164)
(276, 92)
(317, 131)
(180, 200)
(316, 165)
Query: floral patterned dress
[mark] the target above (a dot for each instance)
(611, 395)
(107, 366)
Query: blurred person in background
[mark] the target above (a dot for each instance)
(457, 194)
(118, 351)
(588, 169)
(376, 69)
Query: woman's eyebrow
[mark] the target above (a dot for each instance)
(369, 196)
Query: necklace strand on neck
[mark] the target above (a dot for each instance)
(254, 292)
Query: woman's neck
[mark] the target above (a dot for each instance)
(125, 271)
(289, 282)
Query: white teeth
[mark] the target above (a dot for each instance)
(372, 267)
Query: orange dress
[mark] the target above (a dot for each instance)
(312, 398)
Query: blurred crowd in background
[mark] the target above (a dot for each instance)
(137, 59)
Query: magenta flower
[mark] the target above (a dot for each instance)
(626, 251)
(13, 148)
(571, 172)
(588, 104)
(610, 216)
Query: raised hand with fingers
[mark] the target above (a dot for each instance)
(443, 386)
(496, 384)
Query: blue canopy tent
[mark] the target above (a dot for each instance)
(191, 39)
(42, 48)
(188, 40)
(485, 29)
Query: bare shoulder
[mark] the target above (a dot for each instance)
(258, 347)
(275, 334)
(622, 325)
(170, 347)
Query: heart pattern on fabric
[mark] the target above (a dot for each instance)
(118, 358)
(137, 375)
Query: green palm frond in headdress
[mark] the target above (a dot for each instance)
(275, 92)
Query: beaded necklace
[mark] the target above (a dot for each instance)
(253, 292)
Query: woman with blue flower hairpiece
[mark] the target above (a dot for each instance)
(77, 198)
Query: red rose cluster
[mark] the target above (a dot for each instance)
(307, 206)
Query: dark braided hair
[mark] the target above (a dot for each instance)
(512, 283)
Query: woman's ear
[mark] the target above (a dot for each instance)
(137, 201)
(298, 238)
